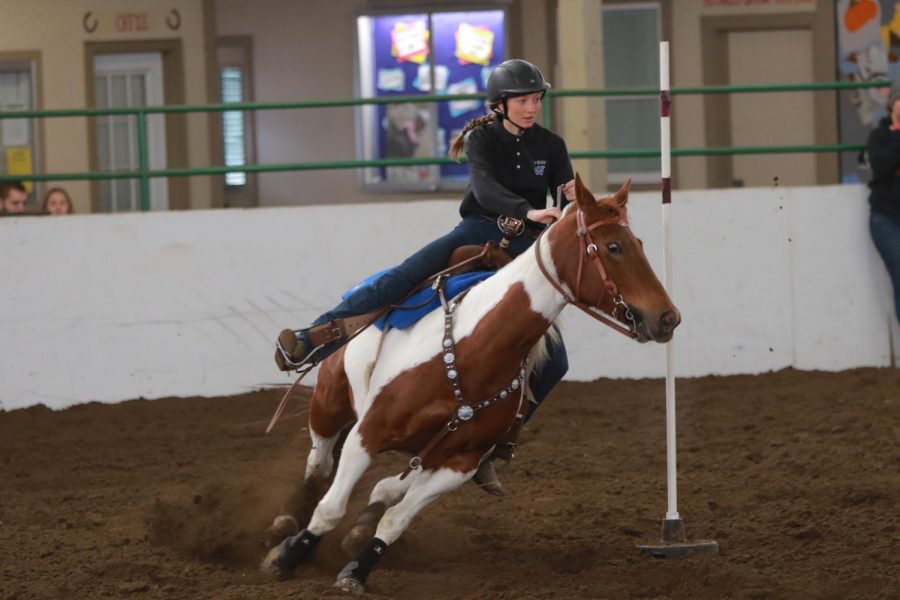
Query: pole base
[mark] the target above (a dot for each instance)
(673, 544)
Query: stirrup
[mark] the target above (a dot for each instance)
(486, 478)
(284, 359)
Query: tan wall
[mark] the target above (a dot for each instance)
(296, 63)
(297, 59)
(54, 29)
(694, 118)
(292, 62)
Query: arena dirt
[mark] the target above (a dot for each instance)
(795, 474)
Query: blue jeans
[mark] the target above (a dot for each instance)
(886, 235)
(396, 283)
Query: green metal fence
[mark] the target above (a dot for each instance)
(144, 174)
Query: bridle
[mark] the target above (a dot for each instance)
(589, 249)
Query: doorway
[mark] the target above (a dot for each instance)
(127, 81)
(772, 119)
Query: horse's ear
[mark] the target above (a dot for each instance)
(620, 198)
(583, 196)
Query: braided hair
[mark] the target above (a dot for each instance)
(456, 147)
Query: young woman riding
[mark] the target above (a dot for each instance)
(513, 164)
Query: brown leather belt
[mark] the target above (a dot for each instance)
(530, 229)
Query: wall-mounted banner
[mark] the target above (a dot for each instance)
(867, 50)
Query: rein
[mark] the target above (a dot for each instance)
(589, 249)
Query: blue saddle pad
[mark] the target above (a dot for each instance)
(401, 318)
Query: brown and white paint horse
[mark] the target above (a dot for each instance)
(404, 401)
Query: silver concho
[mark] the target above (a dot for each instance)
(465, 412)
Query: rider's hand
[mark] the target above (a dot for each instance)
(544, 215)
(569, 190)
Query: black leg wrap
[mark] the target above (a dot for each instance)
(297, 549)
(360, 568)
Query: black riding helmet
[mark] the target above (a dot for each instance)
(514, 77)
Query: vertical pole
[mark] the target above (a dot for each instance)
(673, 539)
(665, 109)
(143, 163)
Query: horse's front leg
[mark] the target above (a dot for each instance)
(427, 486)
(384, 495)
(283, 559)
(323, 454)
(331, 415)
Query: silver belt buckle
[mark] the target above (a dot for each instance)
(510, 226)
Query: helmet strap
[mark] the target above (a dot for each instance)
(503, 115)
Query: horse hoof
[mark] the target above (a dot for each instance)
(349, 585)
(283, 527)
(356, 539)
(270, 566)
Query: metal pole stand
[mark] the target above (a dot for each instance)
(673, 544)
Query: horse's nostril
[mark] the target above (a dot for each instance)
(668, 320)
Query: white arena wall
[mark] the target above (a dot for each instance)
(113, 307)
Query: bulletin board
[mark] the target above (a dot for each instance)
(425, 53)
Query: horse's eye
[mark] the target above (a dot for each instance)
(614, 248)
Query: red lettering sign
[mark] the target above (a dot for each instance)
(130, 22)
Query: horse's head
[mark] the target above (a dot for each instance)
(603, 265)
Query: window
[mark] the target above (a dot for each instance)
(234, 55)
(18, 137)
(631, 35)
(233, 131)
(422, 53)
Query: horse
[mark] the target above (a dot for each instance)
(448, 388)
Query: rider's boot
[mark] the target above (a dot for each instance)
(297, 348)
(292, 348)
(486, 476)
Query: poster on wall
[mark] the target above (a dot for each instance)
(868, 49)
(467, 45)
(438, 53)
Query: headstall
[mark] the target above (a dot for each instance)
(588, 248)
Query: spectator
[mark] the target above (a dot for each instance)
(12, 197)
(57, 202)
(883, 148)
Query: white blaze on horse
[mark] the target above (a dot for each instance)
(448, 388)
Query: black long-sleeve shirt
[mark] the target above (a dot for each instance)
(883, 148)
(512, 174)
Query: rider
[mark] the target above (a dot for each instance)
(513, 163)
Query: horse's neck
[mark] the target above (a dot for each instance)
(519, 294)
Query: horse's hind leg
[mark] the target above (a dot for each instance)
(330, 417)
(287, 556)
(427, 487)
(384, 495)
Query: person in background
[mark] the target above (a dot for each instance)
(57, 202)
(883, 149)
(12, 198)
(513, 164)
